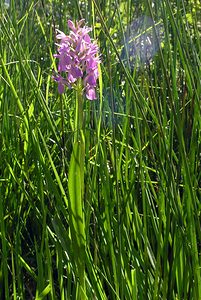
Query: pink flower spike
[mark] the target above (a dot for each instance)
(78, 58)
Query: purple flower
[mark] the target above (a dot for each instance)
(90, 92)
(78, 58)
(61, 83)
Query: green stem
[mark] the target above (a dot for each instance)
(76, 193)
(79, 136)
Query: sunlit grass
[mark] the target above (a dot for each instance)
(142, 153)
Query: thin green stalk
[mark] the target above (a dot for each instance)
(76, 193)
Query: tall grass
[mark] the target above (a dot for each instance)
(142, 153)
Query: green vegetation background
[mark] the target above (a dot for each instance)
(143, 155)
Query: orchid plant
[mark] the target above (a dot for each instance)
(77, 68)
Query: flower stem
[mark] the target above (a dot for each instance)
(79, 114)
(76, 193)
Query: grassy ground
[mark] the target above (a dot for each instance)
(143, 153)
